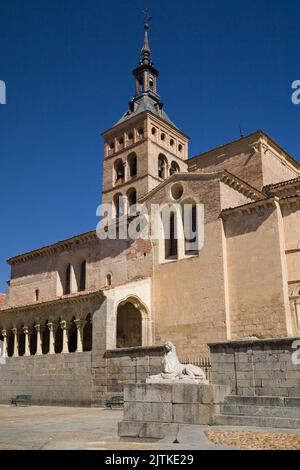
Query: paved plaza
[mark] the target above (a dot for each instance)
(50, 428)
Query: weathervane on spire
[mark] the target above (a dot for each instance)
(147, 18)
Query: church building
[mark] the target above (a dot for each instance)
(73, 309)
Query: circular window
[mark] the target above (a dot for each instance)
(153, 131)
(163, 136)
(171, 142)
(176, 191)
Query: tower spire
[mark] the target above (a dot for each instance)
(146, 52)
(146, 97)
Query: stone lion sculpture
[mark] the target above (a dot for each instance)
(173, 369)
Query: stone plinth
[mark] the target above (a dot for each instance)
(155, 410)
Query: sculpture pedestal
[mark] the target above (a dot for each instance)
(156, 410)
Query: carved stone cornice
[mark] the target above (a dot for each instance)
(56, 247)
(78, 298)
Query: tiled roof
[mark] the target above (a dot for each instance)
(282, 184)
(146, 103)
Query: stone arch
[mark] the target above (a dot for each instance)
(132, 323)
(21, 342)
(58, 338)
(33, 340)
(45, 335)
(72, 336)
(87, 342)
(10, 343)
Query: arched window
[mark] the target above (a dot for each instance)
(119, 205)
(190, 226)
(129, 326)
(169, 225)
(174, 168)
(119, 171)
(108, 279)
(67, 289)
(162, 166)
(130, 138)
(132, 161)
(131, 197)
(82, 283)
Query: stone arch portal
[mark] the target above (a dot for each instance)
(132, 320)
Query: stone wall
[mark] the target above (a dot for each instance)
(131, 365)
(257, 367)
(52, 379)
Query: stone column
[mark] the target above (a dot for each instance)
(79, 324)
(51, 338)
(4, 352)
(26, 346)
(39, 350)
(126, 171)
(64, 325)
(15, 333)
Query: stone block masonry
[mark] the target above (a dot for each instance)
(155, 411)
(52, 379)
(257, 367)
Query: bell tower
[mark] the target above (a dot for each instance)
(144, 147)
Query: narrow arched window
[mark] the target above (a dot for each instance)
(119, 205)
(162, 166)
(68, 280)
(131, 197)
(108, 279)
(82, 285)
(174, 168)
(119, 170)
(190, 223)
(170, 238)
(132, 160)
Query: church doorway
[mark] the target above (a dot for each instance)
(129, 326)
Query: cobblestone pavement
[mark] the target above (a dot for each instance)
(251, 440)
(57, 428)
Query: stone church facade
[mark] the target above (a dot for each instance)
(71, 308)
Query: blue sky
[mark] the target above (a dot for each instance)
(67, 66)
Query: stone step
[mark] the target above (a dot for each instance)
(263, 400)
(257, 410)
(257, 421)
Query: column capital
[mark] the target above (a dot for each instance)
(79, 322)
(4, 333)
(64, 324)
